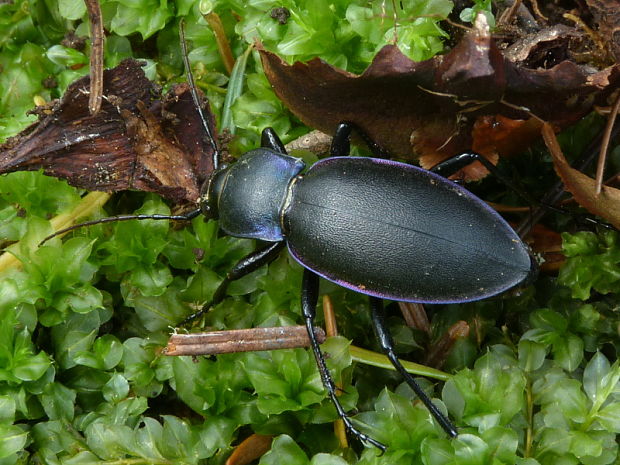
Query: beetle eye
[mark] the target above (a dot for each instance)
(206, 210)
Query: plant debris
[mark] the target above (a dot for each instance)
(138, 140)
(604, 204)
(476, 97)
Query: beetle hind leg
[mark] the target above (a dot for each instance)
(387, 344)
(309, 299)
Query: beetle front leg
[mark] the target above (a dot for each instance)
(245, 266)
(309, 299)
(387, 344)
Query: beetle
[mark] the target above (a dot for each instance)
(382, 228)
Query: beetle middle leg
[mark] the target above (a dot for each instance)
(245, 266)
(387, 344)
(453, 164)
(309, 299)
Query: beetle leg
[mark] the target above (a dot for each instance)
(450, 166)
(309, 299)
(245, 266)
(387, 344)
(270, 140)
(341, 145)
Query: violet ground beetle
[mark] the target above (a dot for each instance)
(382, 228)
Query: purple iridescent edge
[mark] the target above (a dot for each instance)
(440, 179)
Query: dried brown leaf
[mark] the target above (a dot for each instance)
(606, 204)
(136, 141)
(250, 449)
(435, 108)
(546, 243)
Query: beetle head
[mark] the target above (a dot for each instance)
(210, 192)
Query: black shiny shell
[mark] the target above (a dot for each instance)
(396, 231)
(250, 194)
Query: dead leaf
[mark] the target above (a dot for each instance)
(250, 449)
(606, 204)
(137, 141)
(547, 244)
(434, 108)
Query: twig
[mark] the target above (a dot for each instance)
(537, 11)
(96, 55)
(415, 316)
(332, 330)
(240, 340)
(508, 14)
(600, 167)
(215, 23)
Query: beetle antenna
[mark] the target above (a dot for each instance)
(112, 219)
(195, 97)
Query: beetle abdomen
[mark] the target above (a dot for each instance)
(396, 231)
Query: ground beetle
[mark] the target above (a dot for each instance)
(382, 228)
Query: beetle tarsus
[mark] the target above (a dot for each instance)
(387, 344)
(309, 299)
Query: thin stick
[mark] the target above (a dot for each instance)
(331, 328)
(223, 46)
(537, 11)
(509, 13)
(368, 357)
(240, 340)
(329, 316)
(96, 56)
(600, 167)
(415, 316)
